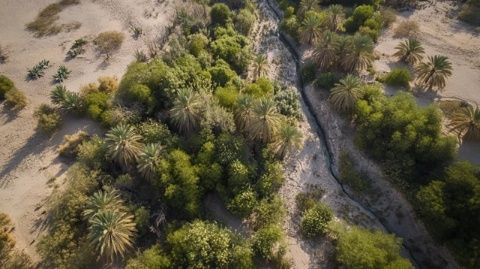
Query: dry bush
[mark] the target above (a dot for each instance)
(69, 147)
(89, 88)
(108, 84)
(389, 16)
(108, 42)
(16, 99)
(3, 54)
(45, 23)
(406, 29)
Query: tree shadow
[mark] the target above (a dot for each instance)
(7, 114)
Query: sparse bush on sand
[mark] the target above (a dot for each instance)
(46, 21)
(399, 77)
(77, 48)
(38, 70)
(406, 29)
(16, 99)
(69, 148)
(49, 119)
(62, 74)
(5, 86)
(109, 42)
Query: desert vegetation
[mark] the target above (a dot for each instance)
(406, 138)
(46, 22)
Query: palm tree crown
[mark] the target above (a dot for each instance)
(359, 53)
(336, 16)
(346, 93)
(111, 233)
(108, 200)
(324, 52)
(306, 5)
(409, 51)
(434, 72)
(148, 160)
(186, 111)
(123, 144)
(243, 112)
(466, 122)
(311, 28)
(260, 65)
(287, 140)
(264, 121)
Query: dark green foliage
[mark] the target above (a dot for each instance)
(366, 20)
(243, 203)
(315, 220)
(326, 80)
(5, 85)
(38, 70)
(399, 77)
(67, 100)
(154, 132)
(96, 104)
(92, 153)
(260, 88)
(290, 25)
(227, 96)
(150, 258)
(450, 207)
(220, 14)
(62, 74)
(309, 72)
(350, 176)
(271, 180)
(239, 177)
(403, 135)
(206, 245)
(470, 12)
(268, 211)
(197, 43)
(222, 73)
(358, 248)
(178, 184)
(209, 170)
(49, 119)
(229, 148)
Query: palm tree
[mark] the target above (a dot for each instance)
(346, 93)
(336, 16)
(466, 122)
(264, 121)
(260, 65)
(148, 160)
(311, 28)
(123, 145)
(324, 52)
(287, 140)
(434, 72)
(410, 51)
(111, 233)
(360, 54)
(186, 110)
(243, 112)
(307, 5)
(65, 99)
(108, 200)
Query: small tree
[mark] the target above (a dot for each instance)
(108, 42)
(49, 119)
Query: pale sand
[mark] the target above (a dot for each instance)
(29, 159)
(442, 34)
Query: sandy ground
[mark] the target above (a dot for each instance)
(442, 34)
(28, 159)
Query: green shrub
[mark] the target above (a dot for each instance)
(243, 203)
(62, 74)
(326, 80)
(307, 200)
(154, 132)
(361, 14)
(233, 48)
(266, 240)
(49, 119)
(271, 180)
(222, 73)
(290, 25)
(315, 220)
(350, 176)
(197, 43)
(5, 85)
(92, 153)
(152, 257)
(398, 77)
(244, 21)
(77, 48)
(260, 88)
(268, 211)
(288, 102)
(227, 96)
(220, 14)
(362, 249)
(309, 71)
(16, 99)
